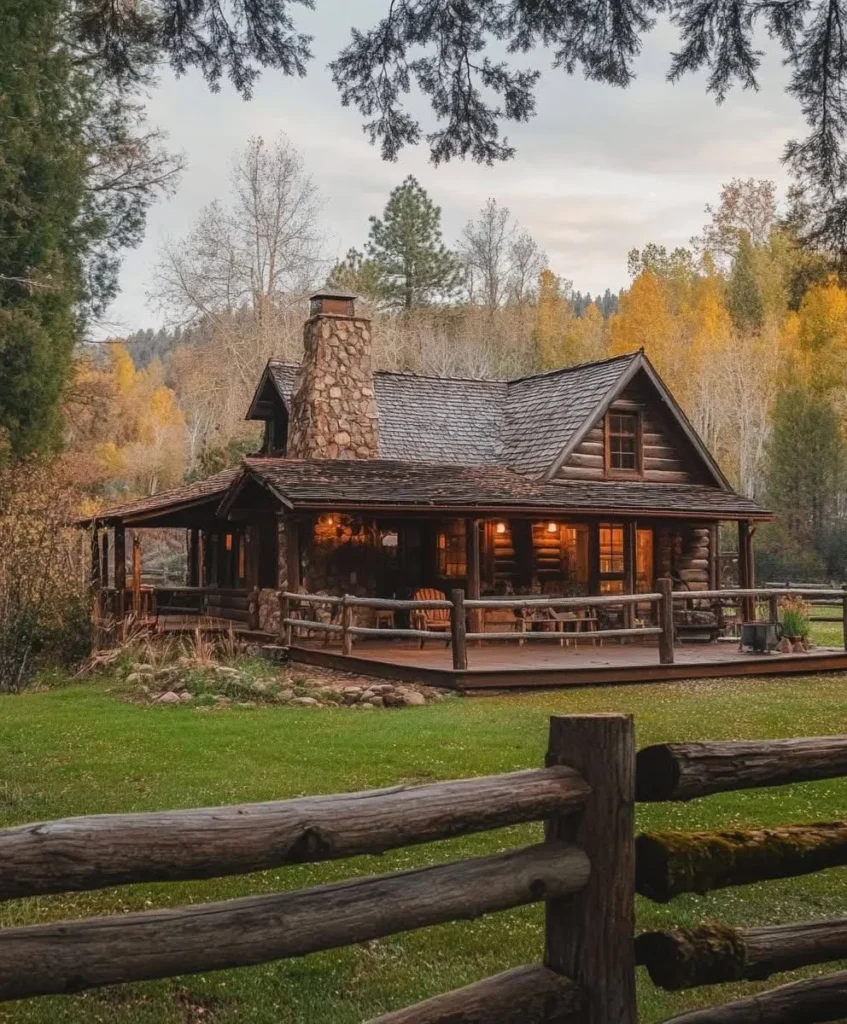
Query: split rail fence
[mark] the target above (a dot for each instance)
(465, 612)
(586, 872)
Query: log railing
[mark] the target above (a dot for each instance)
(461, 610)
(586, 872)
(585, 830)
(671, 863)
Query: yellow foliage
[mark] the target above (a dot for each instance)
(552, 321)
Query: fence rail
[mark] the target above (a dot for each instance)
(586, 872)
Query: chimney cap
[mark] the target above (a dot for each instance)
(332, 303)
(329, 293)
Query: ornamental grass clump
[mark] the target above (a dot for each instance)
(794, 616)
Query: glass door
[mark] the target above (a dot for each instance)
(612, 557)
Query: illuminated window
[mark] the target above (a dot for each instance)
(622, 442)
(611, 549)
(452, 549)
(575, 546)
(643, 561)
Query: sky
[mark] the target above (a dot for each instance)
(597, 172)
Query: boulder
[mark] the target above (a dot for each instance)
(413, 699)
(169, 698)
(785, 646)
(185, 697)
(377, 702)
(304, 702)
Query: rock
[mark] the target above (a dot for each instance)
(798, 647)
(185, 697)
(167, 672)
(785, 646)
(221, 698)
(304, 702)
(357, 690)
(367, 706)
(134, 678)
(377, 702)
(351, 698)
(169, 698)
(413, 699)
(284, 696)
(260, 687)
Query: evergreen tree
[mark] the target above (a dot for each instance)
(43, 233)
(405, 246)
(805, 461)
(356, 274)
(745, 302)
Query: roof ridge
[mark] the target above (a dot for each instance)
(487, 380)
(577, 366)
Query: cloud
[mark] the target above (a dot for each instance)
(598, 170)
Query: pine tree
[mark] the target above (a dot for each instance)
(42, 199)
(805, 460)
(745, 297)
(415, 268)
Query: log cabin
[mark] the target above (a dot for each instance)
(586, 480)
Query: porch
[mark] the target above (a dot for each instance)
(507, 666)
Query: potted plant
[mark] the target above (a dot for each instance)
(795, 621)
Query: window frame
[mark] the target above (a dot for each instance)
(614, 471)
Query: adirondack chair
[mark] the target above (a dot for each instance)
(431, 620)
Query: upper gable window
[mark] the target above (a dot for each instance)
(623, 443)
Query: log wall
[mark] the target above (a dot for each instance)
(668, 455)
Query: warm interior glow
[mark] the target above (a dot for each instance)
(552, 527)
(228, 542)
(501, 528)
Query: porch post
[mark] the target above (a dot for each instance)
(472, 537)
(95, 559)
(629, 570)
(136, 573)
(292, 553)
(104, 558)
(745, 568)
(120, 567)
(194, 557)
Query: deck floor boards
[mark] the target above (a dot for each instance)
(541, 663)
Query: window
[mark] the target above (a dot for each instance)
(452, 549)
(623, 442)
(611, 549)
(643, 561)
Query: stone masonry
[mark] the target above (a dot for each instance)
(333, 408)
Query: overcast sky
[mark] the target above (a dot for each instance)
(597, 171)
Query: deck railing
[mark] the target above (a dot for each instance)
(586, 872)
(461, 624)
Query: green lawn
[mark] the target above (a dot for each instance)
(82, 749)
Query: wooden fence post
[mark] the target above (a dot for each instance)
(844, 615)
(589, 935)
(286, 632)
(773, 608)
(458, 630)
(666, 654)
(253, 610)
(346, 623)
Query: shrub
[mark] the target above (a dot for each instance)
(43, 607)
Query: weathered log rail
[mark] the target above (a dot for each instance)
(586, 872)
(671, 863)
(105, 850)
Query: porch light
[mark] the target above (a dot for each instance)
(501, 528)
(552, 527)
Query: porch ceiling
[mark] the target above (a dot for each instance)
(386, 484)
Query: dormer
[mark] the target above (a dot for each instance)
(268, 406)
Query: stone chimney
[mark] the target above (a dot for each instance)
(333, 406)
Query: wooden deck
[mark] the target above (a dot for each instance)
(506, 665)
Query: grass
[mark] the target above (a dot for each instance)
(81, 749)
